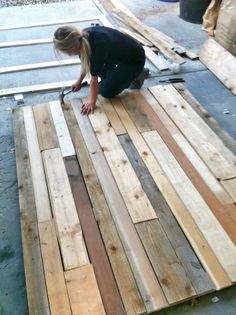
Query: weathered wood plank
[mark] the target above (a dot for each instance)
(34, 276)
(229, 142)
(39, 182)
(66, 145)
(136, 36)
(156, 60)
(211, 149)
(125, 280)
(83, 291)
(230, 187)
(145, 278)
(47, 136)
(97, 253)
(198, 276)
(56, 287)
(221, 62)
(72, 245)
(216, 236)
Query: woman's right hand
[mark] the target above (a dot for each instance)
(76, 86)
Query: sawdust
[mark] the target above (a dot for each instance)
(10, 3)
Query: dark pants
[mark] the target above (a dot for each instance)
(119, 78)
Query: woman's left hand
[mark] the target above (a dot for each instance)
(87, 108)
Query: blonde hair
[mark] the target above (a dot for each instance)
(67, 38)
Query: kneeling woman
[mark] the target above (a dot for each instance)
(106, 53)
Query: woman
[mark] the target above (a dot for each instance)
(106, 53)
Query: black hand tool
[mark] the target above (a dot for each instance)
(63, 92)
(173, 80)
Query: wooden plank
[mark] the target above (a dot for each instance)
(155, 59)
(39, 65)
(216, 236)
(124, 277)
(97, 253)
(36, 88)
(56, 287)
(170, 272)
(186, 222)
(198, 276)
(136, 36)
(112, 116)
(228, 141)
(221, 62)
(28, 42)
(72, 245)
(47, 136)
(230, 187)
(46, 23)
(83, 291)
(43, 207)
(211, 149)
(145, 278)
(62, 131)
(34, 276)
(136, 200)
(188, 150)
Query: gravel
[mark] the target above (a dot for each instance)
(10, 3)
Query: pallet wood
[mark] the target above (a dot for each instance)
(158, 62)
(136, 36)
(221, 62)
(230, 187)
(199, 278)
(34, 276)
(46, 130)
(217, 238)
(55, 281)
(144, 275)
(229, 142)
(106, 281)
(63, 135)
(83, 292)
(72, 245)
(120, 265)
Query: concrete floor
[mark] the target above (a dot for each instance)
(203, 85)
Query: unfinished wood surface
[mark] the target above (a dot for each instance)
(192, 266)
(149, 288)
(228, 141)
(155, 59)
(38, 177)
(47, 136)
(211, 149)
(136, 36)
(221, 62)
(230, 187)
(39, 65)
(83, 292)
(215, 235)
(63, 135)
(71, 240)
(125, 280)
(27, 42)
(34, 276)
(136, 200)
(55, 281)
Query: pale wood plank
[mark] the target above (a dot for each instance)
(72, 245)
(145, 278)
(136, 36)
(170, 272)
(27, 42)
(136, 200)
(155, 59)
(211, 149)
(39, 65)
(197, 275)
(221, 62)
(62, 131)
(34, 276)
(195, 236)
(56, 287)
(39, 182)
(229, 142)
(215, 235)
(83, 291)
(112, 116)
(230, 187)
(124, 277)
(47, 136)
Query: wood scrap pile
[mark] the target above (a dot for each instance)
(127, 211)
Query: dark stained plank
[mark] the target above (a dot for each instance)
(198, 276)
